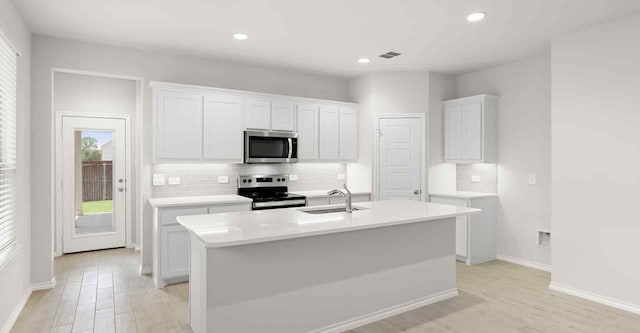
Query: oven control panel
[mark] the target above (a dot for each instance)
(262, 181)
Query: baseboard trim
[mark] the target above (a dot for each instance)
(16, 312)
(145, 270)
(386, 313)
(523, 262)
(626, 306)
(44, 285)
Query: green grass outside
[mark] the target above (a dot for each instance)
(93, 207)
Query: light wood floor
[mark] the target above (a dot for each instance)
(102, 292)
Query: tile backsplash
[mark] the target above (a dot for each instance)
(202, 179)
(487, 173)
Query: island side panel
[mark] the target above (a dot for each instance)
(197, 284)
(332, 282)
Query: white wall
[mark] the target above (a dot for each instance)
(15, 279)
(524, 148)
(88, 94)
(51, 52)
(393, 92)
(442, 176)
(596, 161)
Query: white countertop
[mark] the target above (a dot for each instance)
(323, 193)
(463, 194)
(200, 200)
(239, 228)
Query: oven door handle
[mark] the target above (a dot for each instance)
(290, 147)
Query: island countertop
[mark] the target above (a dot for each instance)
(241, 228)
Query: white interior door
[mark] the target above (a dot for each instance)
(93, 183)
(399, 158)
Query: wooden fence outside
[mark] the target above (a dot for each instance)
(97, 180)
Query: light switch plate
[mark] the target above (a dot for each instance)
(341, 176)
(223, 179)
(475, 178)
(158, 179)
(532, 179)
(293, 178)
(173, 180)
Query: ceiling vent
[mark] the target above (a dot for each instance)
(389, 55)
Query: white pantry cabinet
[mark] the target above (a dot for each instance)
(476, 234)
(307, 121)
(222, 130)
(470, 126)
(178, 125)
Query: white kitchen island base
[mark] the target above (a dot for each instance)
(323, 283)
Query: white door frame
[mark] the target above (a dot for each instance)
(423, 154)
(58, 173)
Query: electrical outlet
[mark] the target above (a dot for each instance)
(341, 176)
(475, 178)
(173, 180)
(223, 179)
(532, 179)
(293, 178)
(158, 179)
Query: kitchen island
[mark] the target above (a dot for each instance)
(302, 270)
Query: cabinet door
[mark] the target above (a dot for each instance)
(178, 125)
(328, 133)
(222, 118)
(348, 134)
(307, 132)
(453, 133)
(257, 114)
(174, 251)
(167, 216)
(283, 116)
(462, 234)
(472, 114)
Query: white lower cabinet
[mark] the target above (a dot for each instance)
(476, 233)
(171, 240)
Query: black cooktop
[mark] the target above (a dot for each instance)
(265, 194)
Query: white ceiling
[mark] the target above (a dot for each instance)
(327, 36)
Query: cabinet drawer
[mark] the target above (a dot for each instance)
(450, 201)
(244, 207)
(167, 216)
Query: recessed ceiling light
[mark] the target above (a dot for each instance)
(363, 60)
(240, 36)
(475, 17)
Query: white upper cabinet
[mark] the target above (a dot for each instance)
(328, 129)
(348, 134)
(307, 120)
(222, 139)
(178, 125)
(283, 116)
(257, 114)
(470, 129)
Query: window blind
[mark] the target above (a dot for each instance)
(8, 78)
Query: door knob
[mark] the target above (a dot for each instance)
(120, 180)
(121, 189)
(416, 192)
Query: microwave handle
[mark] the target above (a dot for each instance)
(290, 147)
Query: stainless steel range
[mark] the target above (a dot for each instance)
(269, 192)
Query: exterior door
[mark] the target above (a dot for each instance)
(93, 183)
(399, 158)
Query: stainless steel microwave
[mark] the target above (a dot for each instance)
(270, 147)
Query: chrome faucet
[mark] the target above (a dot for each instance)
(347, 197)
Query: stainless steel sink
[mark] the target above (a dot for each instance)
(329, 210)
